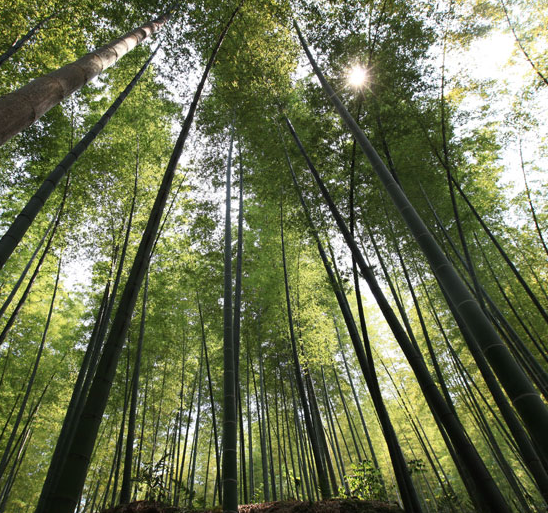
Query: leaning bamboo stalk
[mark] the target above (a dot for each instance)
(21, 108)
(490, 494)
(519, 388)
(23, 275)
(30, 383)
(312, 434)
(72, 478)
(32, 279)
(22, 222)
(20, 42)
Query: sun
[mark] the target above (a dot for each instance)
(356, 76)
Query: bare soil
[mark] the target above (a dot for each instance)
(331, 505)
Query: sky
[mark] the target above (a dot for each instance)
(497, 58)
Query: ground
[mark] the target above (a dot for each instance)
(334, 505)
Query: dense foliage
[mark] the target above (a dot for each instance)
(451, 134)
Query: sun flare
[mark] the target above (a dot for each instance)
(356, 76)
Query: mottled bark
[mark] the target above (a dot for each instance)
(21, 108)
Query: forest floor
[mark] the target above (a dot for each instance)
(326, 506)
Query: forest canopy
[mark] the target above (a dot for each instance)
(265, 250)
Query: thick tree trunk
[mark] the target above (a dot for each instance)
(23, 107)
(22, 222)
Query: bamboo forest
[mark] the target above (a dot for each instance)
(273, 256)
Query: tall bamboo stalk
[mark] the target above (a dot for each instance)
(30, 383)
(525, 398)
(322, 476)
(75, 469)
(128, 459)
(230, 428)
(23, 107)
(22, 222)
(22, 40)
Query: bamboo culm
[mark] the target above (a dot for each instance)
(4, 460)
(128, 460)
(322, 476)
(230, 428)
(21, 108)
(525, 398)
(39, 264)
(87, 371)
(22, 222)
(211, 399)
(75, 469)
(21, 41)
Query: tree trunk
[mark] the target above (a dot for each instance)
(236, 325)
(23, 107)
(87, 370)
(408, 493)
(22, 222)
(249, 430)
(120, 443)
(191, 492)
